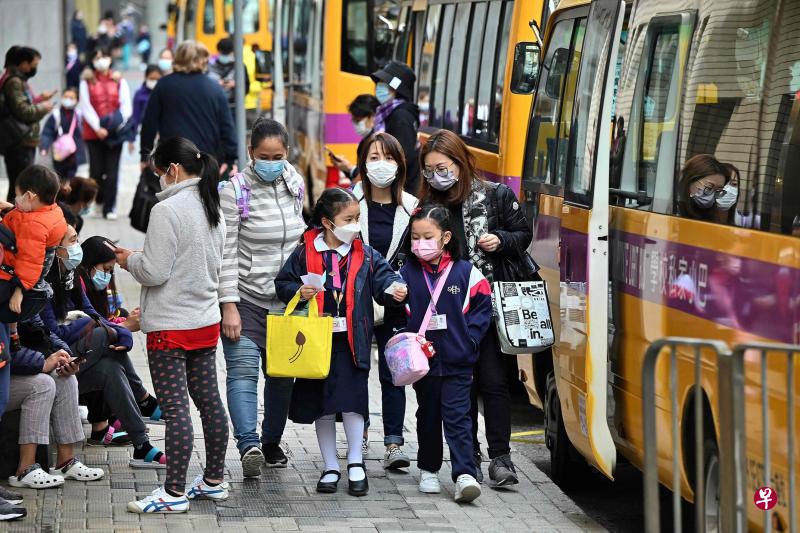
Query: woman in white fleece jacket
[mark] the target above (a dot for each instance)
(179, 273)
(264, 223)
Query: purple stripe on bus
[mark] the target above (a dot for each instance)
(513, 182)
(339, 129)
(545, 241)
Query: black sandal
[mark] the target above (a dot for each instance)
(328, 487)
(357, 488)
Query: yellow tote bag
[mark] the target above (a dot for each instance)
(299, 346)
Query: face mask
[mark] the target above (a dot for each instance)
(226, 59)
(85, 211)
(101, 279)
(68, 103)
(74, 258)
(22, 205)
(165, 65)
(102, 64)
(150, 84)
(731, 194)
(383, 92)
(381, 173)
(162, 180)
(268, 171)
(31, 73)
(102, 29)
(704, 199)
(346, 234)
(72, 55)
(442, 183)
(361, 128)
(426, 249)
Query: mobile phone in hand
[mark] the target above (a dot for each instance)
(333, 156)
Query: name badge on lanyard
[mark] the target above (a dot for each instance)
(339, 324)
(339, 284)
(437, 322)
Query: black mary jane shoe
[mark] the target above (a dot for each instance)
(328, 487)
(357, 488)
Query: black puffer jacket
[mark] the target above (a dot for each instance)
(403, 124)
(506, 220)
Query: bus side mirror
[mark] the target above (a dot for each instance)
(526, 68)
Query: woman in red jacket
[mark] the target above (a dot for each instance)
(105, 104)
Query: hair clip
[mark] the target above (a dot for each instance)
(416, 211)
(198, 155)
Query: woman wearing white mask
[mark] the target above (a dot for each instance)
(385, 211)
(105, 105)
(493, 231)
(263, 208)
(64, 120)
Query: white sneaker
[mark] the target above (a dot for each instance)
(467, 488)
(200, 490)
(83, 411)
(112, 215)
(429, 482)
(160, 501)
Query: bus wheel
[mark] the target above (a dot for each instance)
(566, 465)
(711, 463)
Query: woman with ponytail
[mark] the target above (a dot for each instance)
(179, 272)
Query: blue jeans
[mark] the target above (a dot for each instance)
(393, 399)
(243, 361)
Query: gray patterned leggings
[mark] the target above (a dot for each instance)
(170, 370)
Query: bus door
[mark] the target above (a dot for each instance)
(581, 367)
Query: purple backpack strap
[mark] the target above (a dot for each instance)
(242, 191)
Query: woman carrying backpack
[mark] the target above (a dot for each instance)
(263, 214)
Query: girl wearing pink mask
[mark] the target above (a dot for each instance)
(459, 321)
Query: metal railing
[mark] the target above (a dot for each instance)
(732, 445)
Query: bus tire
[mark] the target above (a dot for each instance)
(567, 466)
(711, 485)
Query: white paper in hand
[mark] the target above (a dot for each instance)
(314, 280)
(394, 286)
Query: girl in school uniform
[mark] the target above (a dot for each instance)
(459, 320)
(355, 275)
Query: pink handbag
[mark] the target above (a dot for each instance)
(65, 146)
(407, 354)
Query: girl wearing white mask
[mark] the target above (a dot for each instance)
(105, 105)
(330, 246)
(385, 212)
(64, 121)
(151, 76)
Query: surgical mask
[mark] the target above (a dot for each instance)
(347, 233)
(101, 279)
(72, 55)
(150, 84)
(162, 180)
(361, 128)
(165, 65)
(426, 249)
(383, 92)
(18, 201)
(381, 173)
(102, 64)
(269, 171)
(85, 211)
(74, 256)
(226, 59)
(729, 197)
(704, 199)
(68, 103)
(442, 183)
(102, 29)
(31, 73)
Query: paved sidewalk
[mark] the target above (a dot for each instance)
(284, 499)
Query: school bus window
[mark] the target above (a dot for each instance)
(427, 62)
(285, 42)
(249, 16)
(387, 18)
(473, 67)
(190, 21)
(439, 87)
(403, 34)
(456, 67)
(355, 36)
(568, 103)
(486, 87)
(209, 19)
(301, 20)
(543, 145)
(499, 73)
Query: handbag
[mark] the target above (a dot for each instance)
(522, 316)
(407, 354)
(144, 200)
(299, 346)
(65, 146)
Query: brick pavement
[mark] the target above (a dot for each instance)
(284, 499)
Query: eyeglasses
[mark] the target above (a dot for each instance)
(440, 171)
(711, 189)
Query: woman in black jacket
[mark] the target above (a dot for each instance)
(492, 228)
(397, 115)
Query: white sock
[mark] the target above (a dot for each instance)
(354, 429)
(326, 437)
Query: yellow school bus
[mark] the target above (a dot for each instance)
(326, 50)
(626, 265)
(462, 53)
(209, 21)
